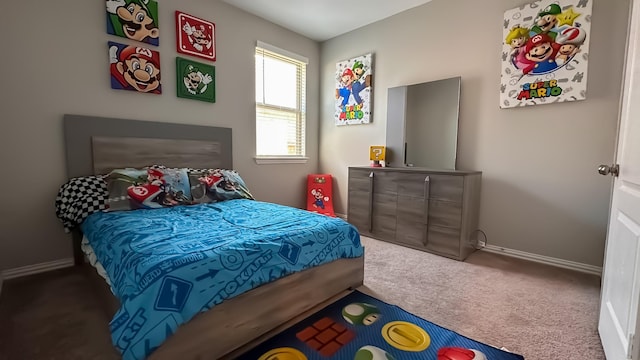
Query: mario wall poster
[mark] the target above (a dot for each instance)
(354, 92)
(195, 36)
(134, 19)
(545, 53)
(195, 80)
(134, 68)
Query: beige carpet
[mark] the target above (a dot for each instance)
(541, 312)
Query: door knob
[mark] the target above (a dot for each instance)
(614, 170)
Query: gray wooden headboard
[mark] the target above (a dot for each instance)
(96, 145)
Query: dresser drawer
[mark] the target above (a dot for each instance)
(359, 180)
(384, 205)
(359, 209)
(446, 187)
(384, 216)
(385, 182)
(410, 233)
(412, 184)
(444, 241)
(411, 209)
(445, 213)
(383, 227)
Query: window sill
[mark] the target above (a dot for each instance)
(269, 160)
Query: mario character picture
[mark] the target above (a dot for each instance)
(353, 91)
(195, 36)
(148, 188)
(195, 80)
(545, 53)
(155, 192)
(134, 68)
(134, 19)
(319, 198)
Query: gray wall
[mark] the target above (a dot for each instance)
(55, 62)
(540, 190)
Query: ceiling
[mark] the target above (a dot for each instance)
(324, 19)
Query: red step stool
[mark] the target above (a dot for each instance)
(320, 194)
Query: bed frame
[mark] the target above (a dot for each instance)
(97, 145)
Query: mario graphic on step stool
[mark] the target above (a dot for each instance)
(319, 190)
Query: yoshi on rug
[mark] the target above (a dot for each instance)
(361, 327)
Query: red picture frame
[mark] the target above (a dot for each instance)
(195, 36)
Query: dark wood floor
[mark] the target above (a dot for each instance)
(53, 315)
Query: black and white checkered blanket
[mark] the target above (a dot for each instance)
(80, 197)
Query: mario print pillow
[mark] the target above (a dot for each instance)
(150, 188)
(212, 185)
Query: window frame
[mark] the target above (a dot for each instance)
(301, 63)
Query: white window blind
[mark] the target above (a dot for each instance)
(280, 103)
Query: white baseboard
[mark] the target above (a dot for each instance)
(36, 268)
(585, 268)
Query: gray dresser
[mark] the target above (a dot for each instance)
(430, 210)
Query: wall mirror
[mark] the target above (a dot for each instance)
(422, 124)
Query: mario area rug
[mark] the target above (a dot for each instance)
(361, 327)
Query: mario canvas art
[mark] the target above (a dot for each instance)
(195, 80)
(195, 36)
(354, 92)
(545, 53)
(134, 68)
(134, 19)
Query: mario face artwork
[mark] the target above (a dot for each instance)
(540, 63)
(541, 52)
(134, 68)
(134, 19)
(195, 80)
(195, 36)
(353, 91)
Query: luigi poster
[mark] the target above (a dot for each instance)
(134, 19)
(545, 53)
(195, 80)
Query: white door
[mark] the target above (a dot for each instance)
(621, 274)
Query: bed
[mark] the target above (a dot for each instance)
(98, 145)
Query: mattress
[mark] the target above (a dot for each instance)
(167, 265)
(91, 257)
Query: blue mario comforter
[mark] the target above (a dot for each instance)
(167, 265)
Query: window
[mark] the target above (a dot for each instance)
(280, 104)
